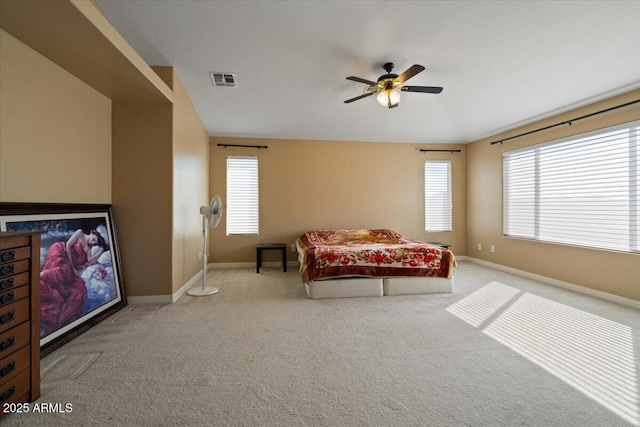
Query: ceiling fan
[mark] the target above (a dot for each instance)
(388, 84)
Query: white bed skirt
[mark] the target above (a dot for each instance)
(417, 285)
(352, 287)
(349, 287)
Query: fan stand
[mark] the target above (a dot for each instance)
(204, 290)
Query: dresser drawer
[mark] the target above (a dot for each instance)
(10, 242)
(13, 364)
(11, 268)
(15, 388)
(7, 297)
(14, 339)
(14, 281)
(13, 314)
(19, 317)
(15, 254)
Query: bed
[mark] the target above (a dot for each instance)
(342, 263)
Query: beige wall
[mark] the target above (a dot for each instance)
(149, 160)
(55, 131)
(612, 272)
(307, 185)
(160, 180)
(142, 195)
(190, 185)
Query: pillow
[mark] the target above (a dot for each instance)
(105, 258)
(103, 232)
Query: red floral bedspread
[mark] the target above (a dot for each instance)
(326, 254)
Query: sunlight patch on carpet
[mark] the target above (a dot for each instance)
(592, 354)
(476, 308)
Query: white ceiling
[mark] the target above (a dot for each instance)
(501, 63)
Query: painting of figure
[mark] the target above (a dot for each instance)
(79, 275)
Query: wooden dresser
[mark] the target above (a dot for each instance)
(19, 317)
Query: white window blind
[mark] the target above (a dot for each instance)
(437, 195)
(580, 191)
(242, 195)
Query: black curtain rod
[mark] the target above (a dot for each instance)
(245, 146)
(567, 121)
(424, 150)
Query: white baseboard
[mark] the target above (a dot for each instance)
(195, 279)
(167, 299)
(218, 265)
(559, 283)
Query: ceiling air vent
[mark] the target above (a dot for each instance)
(223, 79)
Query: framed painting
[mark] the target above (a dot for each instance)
(80, 271)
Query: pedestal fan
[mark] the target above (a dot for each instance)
(211, 216)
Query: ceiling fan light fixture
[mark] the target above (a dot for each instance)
(388, 98)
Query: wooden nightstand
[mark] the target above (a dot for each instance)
(268, 246)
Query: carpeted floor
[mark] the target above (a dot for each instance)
(499, 351)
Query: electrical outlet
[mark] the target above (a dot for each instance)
(200, 255)
(293, 247)
(479, 246)
(493, 248)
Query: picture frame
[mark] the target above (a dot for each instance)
(80, 269)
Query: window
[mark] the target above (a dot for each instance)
(242, 195)
(580, 191)
(437, 195)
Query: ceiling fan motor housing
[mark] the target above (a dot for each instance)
(386, 79)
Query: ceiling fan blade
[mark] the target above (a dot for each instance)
(359, 80)
(360, 97)
(423, 89)
(412, 71)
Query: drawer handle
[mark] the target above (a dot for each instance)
(7, 269)
(8, 256)
(7, 343)
(7, 394)
(8, 368)
(7, 317)
(7, 297)
(6, 284)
